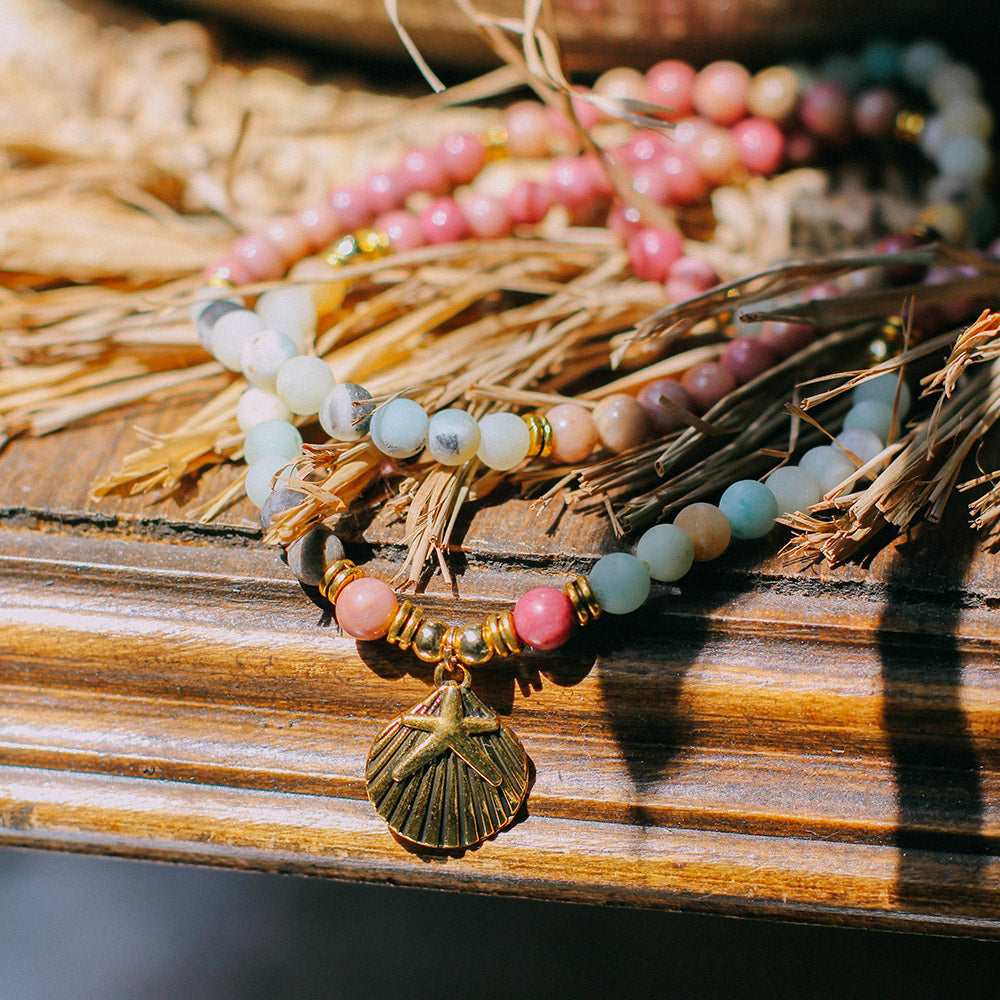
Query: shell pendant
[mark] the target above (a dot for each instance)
(448, 773)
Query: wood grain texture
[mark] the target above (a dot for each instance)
(818, 746)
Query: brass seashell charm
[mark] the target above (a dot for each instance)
(449, 773)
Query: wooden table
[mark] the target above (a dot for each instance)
(815, 747)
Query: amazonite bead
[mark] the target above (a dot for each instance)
(303, 383)
(883, 390)
(619, 582)
(860, 442)
(346, 411)
(794, 488)
(829, 466)
(272, 437)
(964, 156)
(263, 357)
(290, 311)
(881, 60)
(870, 415)
(504, 441)
(453, 437)
(230, 335)
(255, 406)
(750, 508)
(205, 315)
(399, 428)
(260, 477)
(921, 59)
(666, 551)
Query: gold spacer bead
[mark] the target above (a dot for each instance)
(373, 243)
(540, 435)
(217, 281)
(583, 600)
(909, 125)
(493, 635)
(471, 645)
(429, 642)
(338, 576)
(404, 625)
(509, 633)
(345, 251)
(495, 140)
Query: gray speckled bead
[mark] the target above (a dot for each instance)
(309, 557)
(346, 411)
(453, 437)
(278, 501)
(208, 316)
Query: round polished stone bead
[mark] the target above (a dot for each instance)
(708, 529)
(794, 488)
(826, 110)
(748, 357)
(829, 466)
(689, 277)
(786, 339)
(653, 252)
(263, 357)
(230, 334)
(365, 608)
(707, 383)
(255, 406)
(346, 411)
(574, 433)
(544, 617)
(272, 437)
(760, 145)
(442, 221)
(882, 389)
(399, 428)
(720, 92)
(773, 93)
(666, 551)
(206, 314)
(870, 415)
(453, 437)
(279, 500)
(750, 508)
(260, 257)
(314, 553)
(622, 81)
(875, 113)
(649, 398)
(950, 81)
(504, 441)
(964, 156)
(619, 582)
(402, 229)
(290, 311)
(670, 84)
(716, 155)
(461, 156)
(260, 478)
(621, 423)
(303, 383)
(527, 127)
(860, 442)
(920, 60)
(289, 237)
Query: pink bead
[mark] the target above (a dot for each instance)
(528, 202)
(748, 357)
(652, 182)
(365, 608)
(259, 256)
(624, 221)
(527, 124)
(386, 190)
(685, 182)
(760, 145)
(462, 156)
(587, 115)
(786, 339)
(664, 420)
(696, 271)
(487, 217)
(289, 238)
(574, 433)
(543, 618)
(715, 155)
(826, 111)
(902, 274)
(402, 228)
(573, 182)
(442, 221)
(352, 206)
(229, 268)
(320, 225)
(422, 170)
(688, 132)
(720, 92)
(707, 383)
(801, 148)
(875, 113)
(652, 252)
(645, 149)
(670, 83)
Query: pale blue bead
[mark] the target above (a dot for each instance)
(260, 476)
(504, 441)
(921, 59)
(829, 466)
(272, 437)
(666, 551)
(964, 156)
(453, 437)
(882, 389)
(346, 411)
(860, 442)
(619, 582)
(870, 415)
(750, 508)
(794, 488)
(881, 60)
(399, 428)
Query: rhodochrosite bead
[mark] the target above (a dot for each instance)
(543, 617)
(365, 608)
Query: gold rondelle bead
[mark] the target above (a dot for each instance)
(429, 642)
(345, 251)
(338, 576)
(471, 646)
(540, 435)
(509, 633)
(374, 243)
(495, 140)
(217, 281)
(498, 630)
(583, 600)
(909, 125)
(404, 625)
